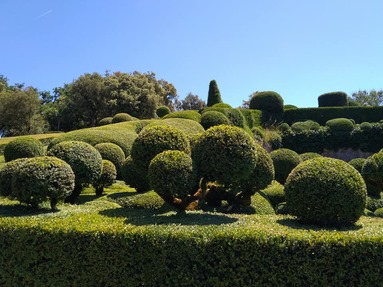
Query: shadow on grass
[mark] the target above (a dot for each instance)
(19, 210)
(297, 224)
(162, 216)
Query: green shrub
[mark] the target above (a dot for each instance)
(305, 126)
(226, 154)
(6, 174)
(190, 115)
(23, 147)
(272, 138)
(155, 139)
(282, 208)
(268, 101)
(122, 117)
(326, 191)
(309, 155)
(162, 111)
(85, 161)
(307, 141)
(284, 160)
(214, 95)
(365, 126)
(213, 118)
(105, 121)
(107, 178)
(374, 203)
(171, 175)
(253, 117)
(340, 126)
(283, 127)
(42, 179)
(372, 172)
(112, 152)
(274, 193)
(333, 99)
(357, 163)
(134, 175)
(262, 175)
(379, 212)
(289, 107)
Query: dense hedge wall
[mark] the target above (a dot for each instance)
(322, 115)
(109, 248)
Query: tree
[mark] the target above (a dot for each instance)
(191, 102)
(365, 98)
(214, 95)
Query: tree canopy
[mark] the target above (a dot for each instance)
(368, 98)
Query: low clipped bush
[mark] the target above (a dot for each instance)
(162, 111)
(305, 126)
(357, 163)
(189, 127)
(226, 154)
(333, 99)
(268, 101)
(213, 118)
(105, 121)
(284, 160)
(155, 139)
(172, 176)
(23, 147)
(372, 172)
(374, 203)
(272, 139)
(275, 193)
(42, 179)
(379, 212)
(85, 161)
(135, 175)
(283, 127)
(112, 152)
(6, 174)
(309, 155)
(122, 117)
(190, 115)
(107, 178)
(340, 126)
(365, 126)
(326, 191)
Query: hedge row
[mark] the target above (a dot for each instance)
(323, 114)
(114, 248)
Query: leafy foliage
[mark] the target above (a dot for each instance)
(122, 117)
(113, 153)
(162, 111)
(284, 160)
(213, 118)
(268, 101)
(372, 172)
(23, 147)
(333, 99)
(107, 178)
(214, 95)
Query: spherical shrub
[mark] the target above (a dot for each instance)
(105, 121)
(305, 126)
(156, 139)
(357, 163)
(190, 115)
(135, 176)
(340, 126)
(365, 126)
(268, 101)
(372, 172)
(374, 203)
(275, 193)
(122, 117)
(284, 161)
(284, 127)
(236, 118)
(326, 191)
(85, 161)
(171, 174)
(333, 99)
(6, 174)
(42, 179)
(263, 173)
(162, 111)
(107, 178)
(213, 118)
(23, 147)
(226, 154)
(112, 152)
(309, 155)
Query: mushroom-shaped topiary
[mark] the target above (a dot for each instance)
(6, 174)
(333, 99)
(326, 191)
(267, 101)
(162, 111)
(23, 147)
(372, 172)
(284, 161)
(172, 176)
(213, 118)
(107, 178)
(112, 152)
(85, 161)
(42, 179)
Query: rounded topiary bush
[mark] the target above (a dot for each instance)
(105, 121)
(340, 126)
(155, 139)
(326, 191)
(372, 172)
(134, 175)
(6, 174)
(268, 101)
(23, 147)
(284, 161)
(84, 159)
(309, 155)
(357, 163)
(190, 115)
(275, 193)
(112, 152)
(171, 175)
(162, 111)
(284, 127)
(374, 203)
(42, 179)
(107, 178)
(226, 154)
(213, 118)
(365, 126)
(122, 117)
(333, 99)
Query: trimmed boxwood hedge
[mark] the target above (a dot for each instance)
(213, 118)
(23, 147)
(190, 115)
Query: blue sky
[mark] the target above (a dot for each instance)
(298, 48)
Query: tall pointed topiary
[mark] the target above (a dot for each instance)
(214, 95)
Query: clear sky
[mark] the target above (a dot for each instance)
(298, 48)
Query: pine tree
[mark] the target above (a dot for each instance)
(214, 96)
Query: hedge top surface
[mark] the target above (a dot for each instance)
(333, 99)
(268, 101)
(23, 147)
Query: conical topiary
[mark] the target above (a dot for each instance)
(214, 95)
